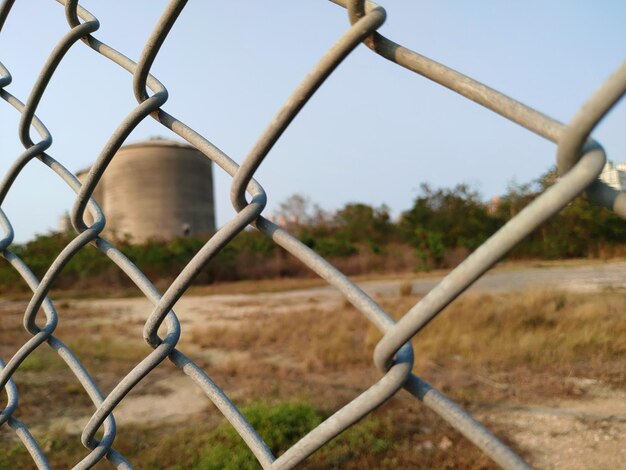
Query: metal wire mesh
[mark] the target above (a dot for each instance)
(579, 158)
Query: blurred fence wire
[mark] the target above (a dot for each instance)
(579, 159)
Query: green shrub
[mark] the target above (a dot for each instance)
(13, 457)
(280, 426)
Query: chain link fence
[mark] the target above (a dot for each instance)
(579, 158)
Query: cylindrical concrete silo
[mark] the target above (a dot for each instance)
(158, 189)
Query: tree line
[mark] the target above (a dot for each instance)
(440, 229)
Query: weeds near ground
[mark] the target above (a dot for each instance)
(299, 367)
(534, 329)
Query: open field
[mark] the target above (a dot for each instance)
(572, 274)
(543, 367)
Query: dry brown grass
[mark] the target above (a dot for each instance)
(534, 328)
(515, 346)
(406, 289)
(539, 331)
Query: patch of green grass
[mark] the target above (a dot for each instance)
(369, 437)
(279, 425)
(103, 349)
(13, 456)
(42, 359)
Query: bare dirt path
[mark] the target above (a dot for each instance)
(227, 307)
(585, 278)
(569, 434)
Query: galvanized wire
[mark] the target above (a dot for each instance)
(579, 158)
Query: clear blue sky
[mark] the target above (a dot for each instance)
(373, 132)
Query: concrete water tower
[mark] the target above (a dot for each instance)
(157, 189)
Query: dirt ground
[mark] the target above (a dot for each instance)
(561, 415)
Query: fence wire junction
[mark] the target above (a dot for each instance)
(579, 160)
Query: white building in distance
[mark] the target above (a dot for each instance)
(614, 175)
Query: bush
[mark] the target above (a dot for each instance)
(13, 457)
(280, 426)
(441, 228)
